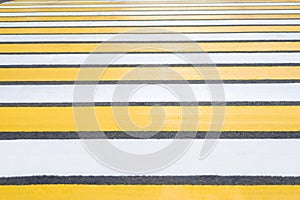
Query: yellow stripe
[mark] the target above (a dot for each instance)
(192, 29)
(150, 47)
(149, 192)
(238, 118)
(172, 17)
(150, 73)
(149, 8)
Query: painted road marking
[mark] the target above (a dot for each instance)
(251, 93)
(237, 118)
(117, 74)
(255, 46)
(255, 157)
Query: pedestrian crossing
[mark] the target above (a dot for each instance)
(149, 99)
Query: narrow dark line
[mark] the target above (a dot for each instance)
(246, 81)
(162, 52)
(145, 11)
(152, 180)
(152, 65)
(93, 20)
(206, 103)
(153, 26)
(149, 135)
(153, 33)
(164, 41)
(180, 14)
(148, 82)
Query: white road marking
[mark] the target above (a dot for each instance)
(153, 23)
(148, 5)
(150, 37)
(149, 93)
(136, 13)
(148, 58)
(230, 157)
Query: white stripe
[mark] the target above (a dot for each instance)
(150, 37)
(149, 13)
(149, 93)
(151, 23)
(90, 1)
(205, 3)
(156, 5)
(230, 157)
(157, 58)
(95, 1)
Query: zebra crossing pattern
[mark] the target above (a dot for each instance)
(245, 102)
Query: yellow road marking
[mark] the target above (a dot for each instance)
(191, 29)
(238, 118)
(150, 47)
(150, 73)
(172, 17)
(150, 8)
(149, 192)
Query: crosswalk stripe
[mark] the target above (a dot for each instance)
(150, 73)
(90, 192)
(164, 37)
(249, 158)
(242, 92)
(241, 118)
(176, 23)
(45, 60)
(151, 47)
(161, 8)
(156, 29)
(141, 13)
(149, 17)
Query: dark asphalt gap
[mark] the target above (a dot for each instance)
(153, 33)
(152, 180)
(162, 52)
(208, 103)
(164, 41)
(147, 82)
(150, 65)
(149, 135)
